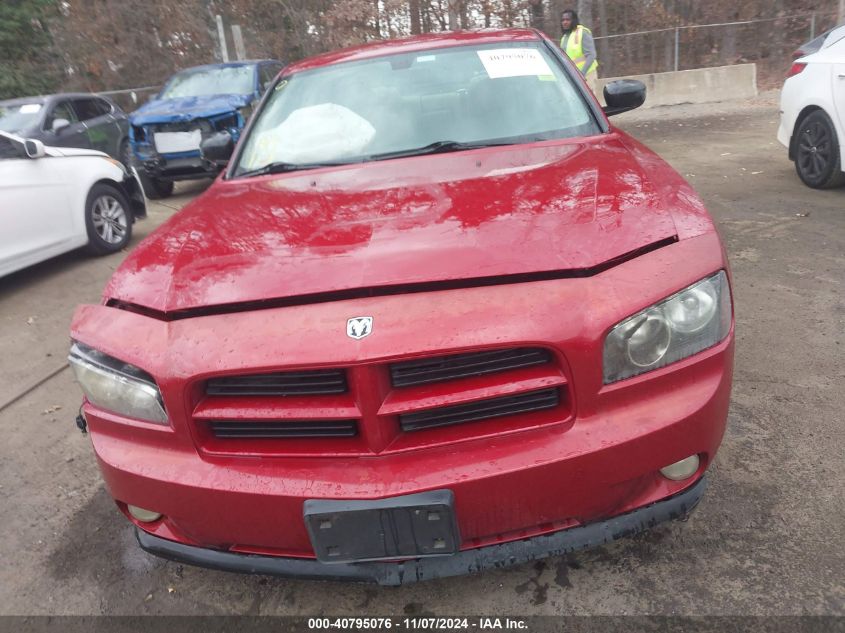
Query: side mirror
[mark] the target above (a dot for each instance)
(34, 149)
(218, 148)
(59, 125)
(623, 95)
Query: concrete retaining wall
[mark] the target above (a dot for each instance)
(701, 85)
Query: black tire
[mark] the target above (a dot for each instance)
(817, 157)
(154, 188)
(108, 219)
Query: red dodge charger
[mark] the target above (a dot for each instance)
(437, 315)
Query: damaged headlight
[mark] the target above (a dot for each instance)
(116, 386)
(686, 323)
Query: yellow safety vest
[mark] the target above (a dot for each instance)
(575, 49)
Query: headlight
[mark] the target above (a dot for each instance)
(686, 323)
(116, 386)
(114, 162)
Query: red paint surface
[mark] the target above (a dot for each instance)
(558, 205)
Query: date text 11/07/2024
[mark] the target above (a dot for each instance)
(419, 623)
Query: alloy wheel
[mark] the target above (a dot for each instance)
(110, 219)
(814, 150)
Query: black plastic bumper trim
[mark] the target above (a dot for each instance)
(465, 562)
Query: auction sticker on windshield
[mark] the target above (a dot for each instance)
(514, 62)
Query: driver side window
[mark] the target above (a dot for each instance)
(62, 110)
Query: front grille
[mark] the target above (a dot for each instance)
(481, 410)
(284, 430)
(441, 368)
(290, 383)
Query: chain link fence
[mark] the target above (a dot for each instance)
(768, 42)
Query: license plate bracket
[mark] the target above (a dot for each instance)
(409, 526)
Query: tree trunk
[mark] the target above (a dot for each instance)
(453, 14)
(585, 13)
(536, 14)
(414, 10)
(378, 19)
(602, 49)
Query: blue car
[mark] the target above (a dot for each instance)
(197, 103)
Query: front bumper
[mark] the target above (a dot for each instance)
(177, 167)
(597, 457)
(466, 562)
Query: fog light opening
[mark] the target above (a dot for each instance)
(142, 515)
(681, 470)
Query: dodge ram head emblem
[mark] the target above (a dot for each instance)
(359, 327)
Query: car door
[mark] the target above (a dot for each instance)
(73, 135)
(102, 133)
(35, 207)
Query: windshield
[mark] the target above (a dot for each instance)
(199, 82)
(440, 100)
(20, 116)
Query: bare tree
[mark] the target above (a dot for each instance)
(453, 14)
(414, 10)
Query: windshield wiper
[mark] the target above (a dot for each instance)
(280, 167)
(438, 147)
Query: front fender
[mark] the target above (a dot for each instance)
(135, 194)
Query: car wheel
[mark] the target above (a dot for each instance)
(817, 158)
(154, 188)
(108, 220)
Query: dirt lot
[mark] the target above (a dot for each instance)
(767, 539)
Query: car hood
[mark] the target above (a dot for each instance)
(187, 108)
(482, 214)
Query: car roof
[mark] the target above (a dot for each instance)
(414, 44)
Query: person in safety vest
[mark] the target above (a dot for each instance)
(577, 42)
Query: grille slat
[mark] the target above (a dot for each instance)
(443, 368)
(317, 382)
(284, 430)
(481, 410)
